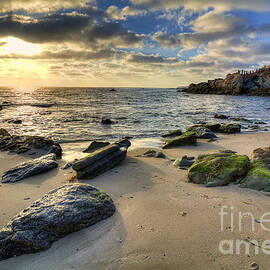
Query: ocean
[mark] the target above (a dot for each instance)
(75, 114)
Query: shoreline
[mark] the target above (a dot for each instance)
(149, 229)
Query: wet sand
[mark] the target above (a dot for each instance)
(162, 222)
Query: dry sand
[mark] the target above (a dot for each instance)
(162, 222)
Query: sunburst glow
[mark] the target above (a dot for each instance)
(12, 45)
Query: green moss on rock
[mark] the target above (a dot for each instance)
(218, 168)
(258, 177)
(188, 138)
(230, 128)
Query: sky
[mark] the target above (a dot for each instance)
(130, 43)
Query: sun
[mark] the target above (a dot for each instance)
(12, 45)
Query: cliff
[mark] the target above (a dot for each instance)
(255, 83)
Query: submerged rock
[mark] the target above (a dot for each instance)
(188, 138)
(95, 145)
(241, 119)
(22, 144)
(172, 133)
(202, 132)
(258, 177)
(230, 128)
(30, 168)
(62, 211)
(184, 163)
(221, 116)
(213, 127)
(218, 168)
(101, 160)
(107, 122)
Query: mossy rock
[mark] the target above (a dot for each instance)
(258, 177)
(173, 133)
(218, 168)
(188, 138)
(202, 132)
(213, 127)
(230, 128)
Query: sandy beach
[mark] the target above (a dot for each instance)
(162, 222)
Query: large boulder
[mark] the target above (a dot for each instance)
(218, 168)
(101, 160)
(229, 128)
(22, 144)
(30, 168)
(258, 177)
(188, 138)
(202, 132)
(64, 210)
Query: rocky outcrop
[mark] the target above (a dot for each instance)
(22, 144)
(62, 211)
(188, 138)
(30, 168)
(184, 163)
(258, 177)
(229, 128)
(101, 160)
(154, 154)
(218, 168)
(241, 83)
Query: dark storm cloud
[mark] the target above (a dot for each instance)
(67, 27)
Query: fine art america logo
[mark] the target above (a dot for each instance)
(235, 221)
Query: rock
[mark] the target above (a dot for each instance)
(22, 144)
(69, 164)
(101, 160)
(184, 162)
(213, 127)
(95, 145)
(188, 138)
(254, 127)
(172, 133)
(112, 90)
(43, 105)
(258, 177)
(154, 154)
(63, 210)
(15, 121)
(218, 168)
(4, 133)
(202, 132)
(255, 83)
(30, 168)
(241, 119)
(260, 123)
(221, 116)
(107, 122)
(230, 128)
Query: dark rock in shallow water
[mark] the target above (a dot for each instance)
(62, 211)
(188, 138)
(213, 127)
(101, 160)
(202, 132)
(258, 177)
(218, 168)
(107, 122)
(173, 133)
(221, 116)
(30, 168)
(15, 121)
(22, 144)
(230, 128)
(242, 119)
(95, 146)
(184, 162)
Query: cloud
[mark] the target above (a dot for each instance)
(39, 6)
(68, 27)
(149, 59)
(121, 14)
(198, 5)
